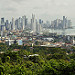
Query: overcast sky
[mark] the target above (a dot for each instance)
(44, 9)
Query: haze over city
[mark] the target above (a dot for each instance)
(37, 37)
(44, 9)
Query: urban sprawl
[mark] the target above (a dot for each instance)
(35, 32)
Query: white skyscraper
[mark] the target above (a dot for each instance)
(33, 23)
(23, 22)
(10, 26)
(38, 28)
(13, 24)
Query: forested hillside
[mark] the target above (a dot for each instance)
(26, 60)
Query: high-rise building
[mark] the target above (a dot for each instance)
(33, 24)
(7, 24)
(69, 24)
(2, 21)
(10, 26)
(40, 21)
(64, 22)
(16, 24)
(26, 23)
(61, 24)
(19, 23)
(13, 24)
(3, 28)
(23, 22)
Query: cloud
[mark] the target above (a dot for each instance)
(42, 8)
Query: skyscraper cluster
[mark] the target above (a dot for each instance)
(61, 24)
(36, 26)
(21, 24)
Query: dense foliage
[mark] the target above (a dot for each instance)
(50, 61)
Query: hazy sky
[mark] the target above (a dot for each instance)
(44, 9)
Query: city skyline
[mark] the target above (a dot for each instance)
(36, 26)
(44, 9)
